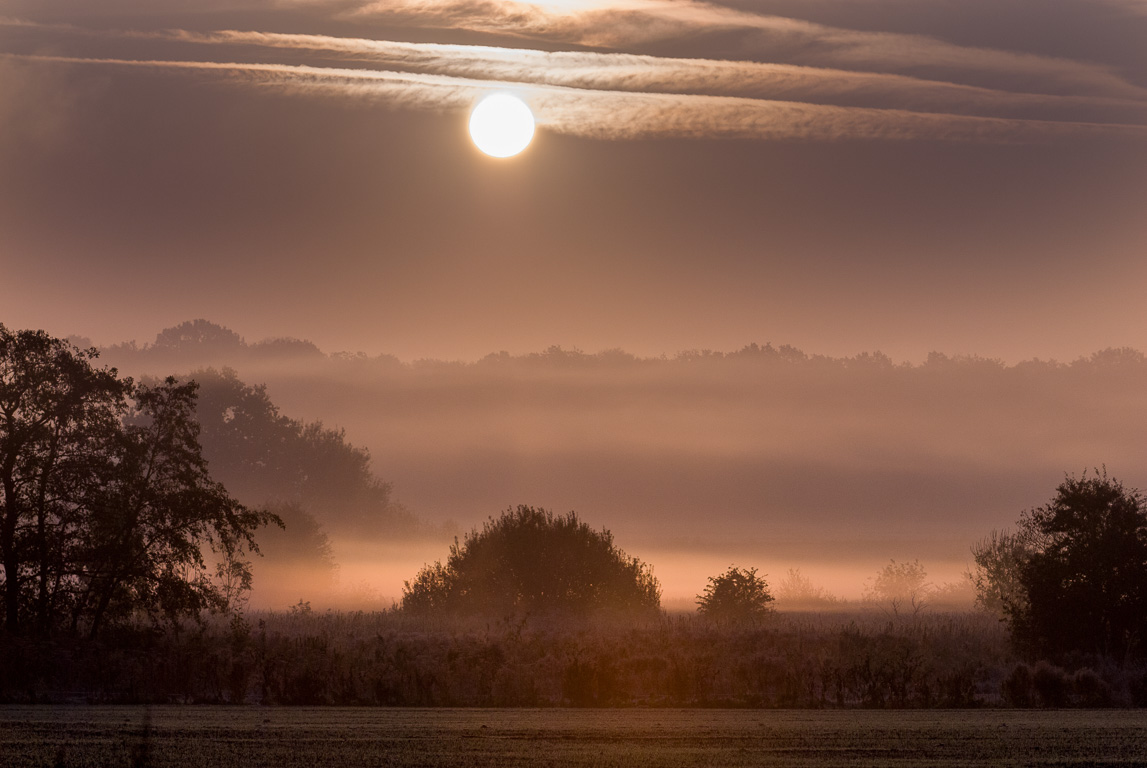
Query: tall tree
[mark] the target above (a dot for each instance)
(153, 518)
(265, 457)
(107, 504)
(57, 412)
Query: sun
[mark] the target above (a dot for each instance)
(501, 125)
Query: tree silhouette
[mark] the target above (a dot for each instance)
(738, 596)
(1085, 577)
(154, 514)
(530, 562)
(107, 504)
(266, 457)
(58, 414)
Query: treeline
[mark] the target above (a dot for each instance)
(201, 342)
(386, 659)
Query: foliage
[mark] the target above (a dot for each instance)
(310, 656)
(107, 502)
(999, 561)
(1085, 576)
(737, 596)
(900, 588)
(264, 456)
(58, 415)
(528, 562)
(150, 519)
(796, 591)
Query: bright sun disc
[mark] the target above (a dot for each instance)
(501, 125)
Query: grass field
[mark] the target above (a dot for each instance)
(251, 737)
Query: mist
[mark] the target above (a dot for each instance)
(766, 456)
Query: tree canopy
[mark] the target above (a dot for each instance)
(107, 504)
(265, 457)
(737, 596)
(530, 562)
(1073, 578)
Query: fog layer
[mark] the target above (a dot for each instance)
(765, 456)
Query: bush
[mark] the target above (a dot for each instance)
(531, 562)
(1017, 687)
(1051, 684)
(738, 596)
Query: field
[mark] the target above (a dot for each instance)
(252, 737)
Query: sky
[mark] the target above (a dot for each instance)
(840, 175)
(843, 176)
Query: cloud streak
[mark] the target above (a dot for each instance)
(613, 114)
(615, 95)
(622, 25)
(644, 73)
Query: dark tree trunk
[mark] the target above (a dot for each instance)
(10, 556)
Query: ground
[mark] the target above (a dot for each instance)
(253, 737)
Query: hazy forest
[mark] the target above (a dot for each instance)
(149, 490)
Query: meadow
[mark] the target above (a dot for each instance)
(253, 737)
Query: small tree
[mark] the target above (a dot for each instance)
(1000, 558)
(900, 588)
(796, 591)
(737, 596)
(529, 562)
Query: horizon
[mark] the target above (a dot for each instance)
(928, 202)
(144, 342)
(815, 463)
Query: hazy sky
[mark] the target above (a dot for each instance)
(842, 175)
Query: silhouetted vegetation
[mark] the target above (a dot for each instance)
(266, 457)
(392, 658)
(112, 531)
(530, 562)
(1073, 580)
(107, 504)
(737, 596)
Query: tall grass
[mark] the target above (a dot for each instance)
(812, 659)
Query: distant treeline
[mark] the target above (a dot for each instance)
(201, 342)
(386, 659)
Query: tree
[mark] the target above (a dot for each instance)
(999, 561)
(153, 516)
(530, 562)
(57, 415)
(900, 587)
(107, 503)
(1085, 574)
(265, 457)
(738, 596)
(796, 591)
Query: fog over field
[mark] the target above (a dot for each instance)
(766, 455)
(846, 177)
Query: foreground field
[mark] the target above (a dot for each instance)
(199, 737)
